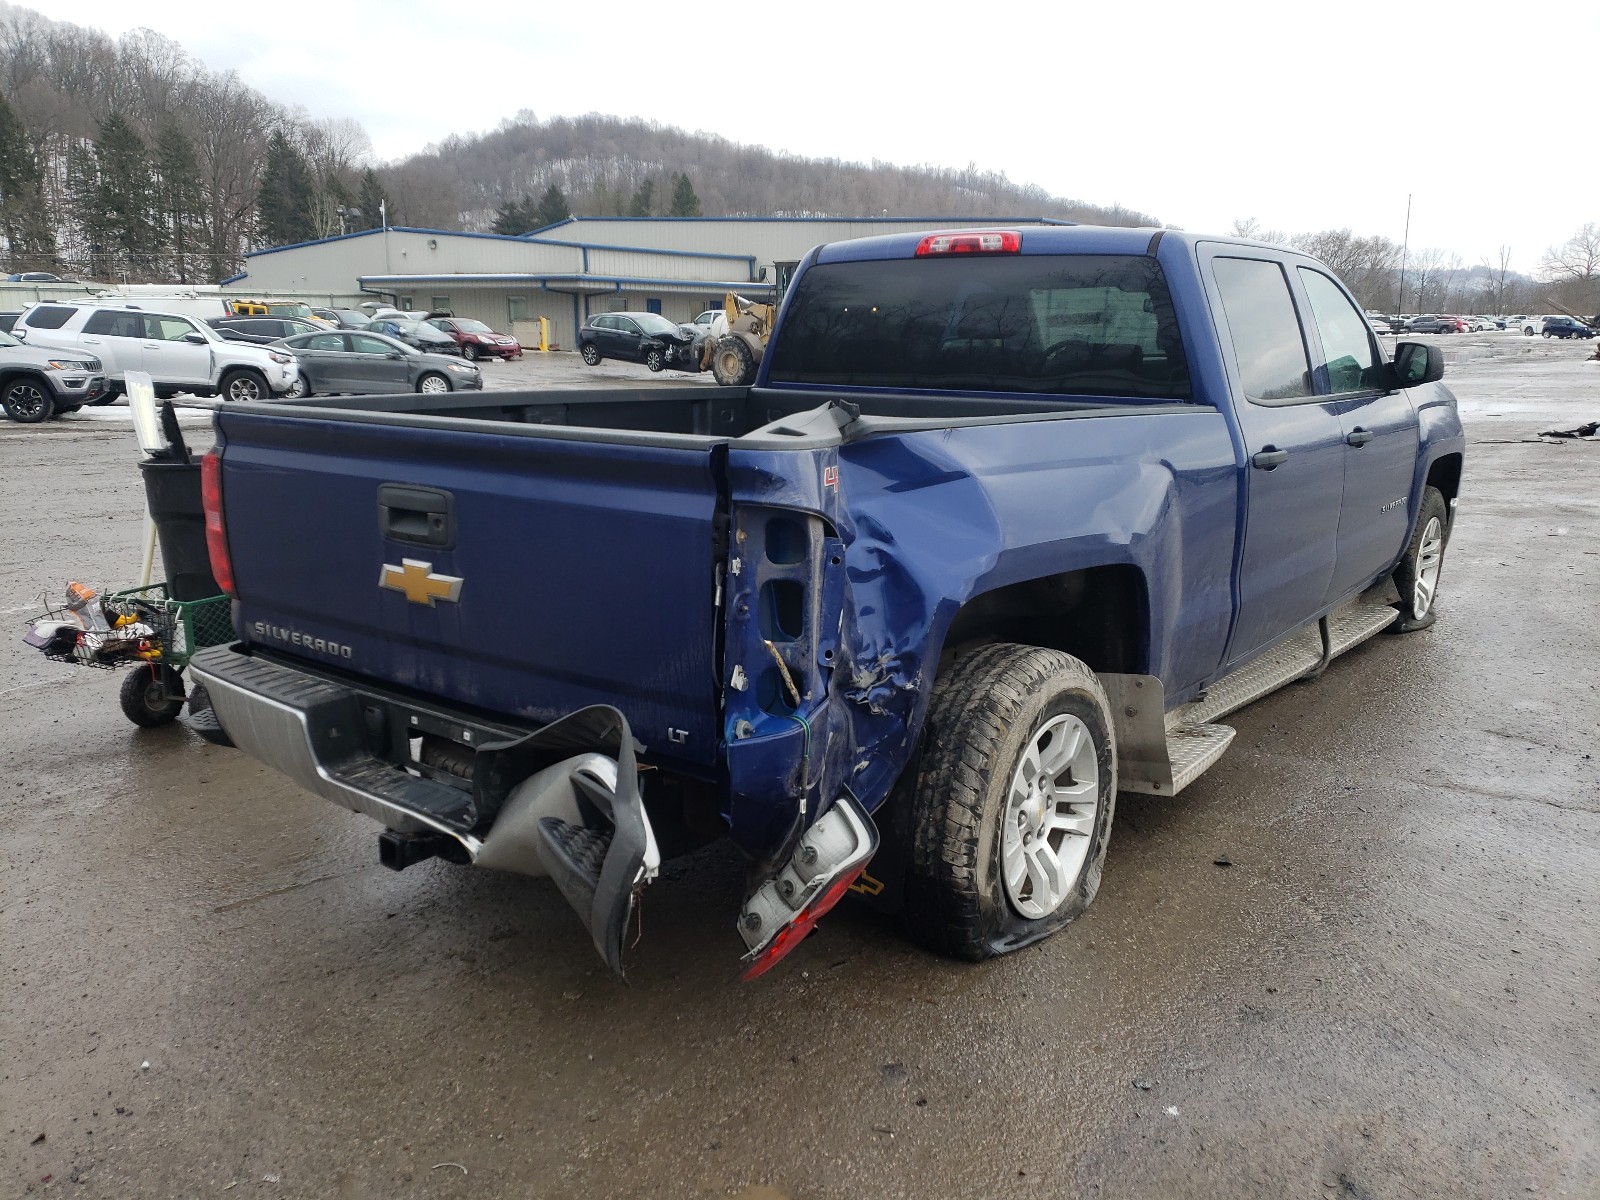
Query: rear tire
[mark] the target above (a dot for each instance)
(732, 362)
(1012, 801)
(591, 353)
(1417, 576)
(28, 401)
(152, 696)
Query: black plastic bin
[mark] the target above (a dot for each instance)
(173, 491)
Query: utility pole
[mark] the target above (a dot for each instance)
(1405, 245)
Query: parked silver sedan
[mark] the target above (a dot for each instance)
(359, 364)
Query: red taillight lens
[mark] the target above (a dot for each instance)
(971, 241)
(216, 532)
(792, 934)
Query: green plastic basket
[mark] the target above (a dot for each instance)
(188, 625)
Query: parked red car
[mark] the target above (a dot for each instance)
(477, 340)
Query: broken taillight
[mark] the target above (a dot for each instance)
(792, 934)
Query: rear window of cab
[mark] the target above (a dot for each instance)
(1076, 325)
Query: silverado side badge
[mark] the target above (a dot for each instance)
(416, 581)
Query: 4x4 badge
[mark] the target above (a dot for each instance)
(417, 582)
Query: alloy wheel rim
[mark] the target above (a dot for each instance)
(1047, 826)
(1430, 560)
(433, 384)
(27, 400)
(244, 389)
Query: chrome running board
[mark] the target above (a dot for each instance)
(1160, 754)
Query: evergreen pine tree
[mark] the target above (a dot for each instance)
(127, 196)
(643, 199)
(93, 255)
(684, 202)
(24, 221)
(552, 207)
(513, 217)
(283, 207)
(180, 202)
(371, 200)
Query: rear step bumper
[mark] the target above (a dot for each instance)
(562, 801)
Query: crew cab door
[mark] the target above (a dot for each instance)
(1294, 452)
(169, 355)
(1380, 432)
(117, 336)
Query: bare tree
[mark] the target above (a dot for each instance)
(1499, 272)
(1573, 270)
(1423, 273)
(1251, 228)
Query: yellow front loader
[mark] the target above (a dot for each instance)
(734, 356)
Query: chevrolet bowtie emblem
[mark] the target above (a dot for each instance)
(418, 583)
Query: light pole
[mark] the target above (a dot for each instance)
(1405, 245)
(345, 216)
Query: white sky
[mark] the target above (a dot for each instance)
(1307, 116)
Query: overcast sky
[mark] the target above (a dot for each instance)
(1304, 116)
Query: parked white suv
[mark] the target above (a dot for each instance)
(179, 353)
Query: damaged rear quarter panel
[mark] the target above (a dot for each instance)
(926, 521)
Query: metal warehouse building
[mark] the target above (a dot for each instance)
(566, 272)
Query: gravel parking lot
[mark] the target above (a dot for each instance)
(1359, 958)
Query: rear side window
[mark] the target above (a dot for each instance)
(49, 316)
(1079, 324)
(115, 324)
(1268, 347)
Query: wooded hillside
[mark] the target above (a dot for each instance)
(129, 159)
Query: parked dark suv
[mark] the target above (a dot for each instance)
(647, 338)
(1565, 327)
(262, 330)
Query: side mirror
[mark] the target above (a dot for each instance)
(1417, 363)
(195, 337)
(395, 354)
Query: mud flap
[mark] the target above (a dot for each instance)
(582, 821)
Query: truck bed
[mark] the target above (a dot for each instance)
(667, 416)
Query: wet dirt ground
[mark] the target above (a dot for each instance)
(209, 986)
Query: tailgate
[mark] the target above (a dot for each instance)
(587, 570)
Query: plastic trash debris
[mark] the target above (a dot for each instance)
(1592, 429)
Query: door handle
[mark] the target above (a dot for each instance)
(421, 516)
(1269, 459)
(1359, 436)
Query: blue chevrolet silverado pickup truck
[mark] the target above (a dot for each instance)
(1008, 522)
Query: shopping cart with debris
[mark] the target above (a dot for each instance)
(141, 628)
